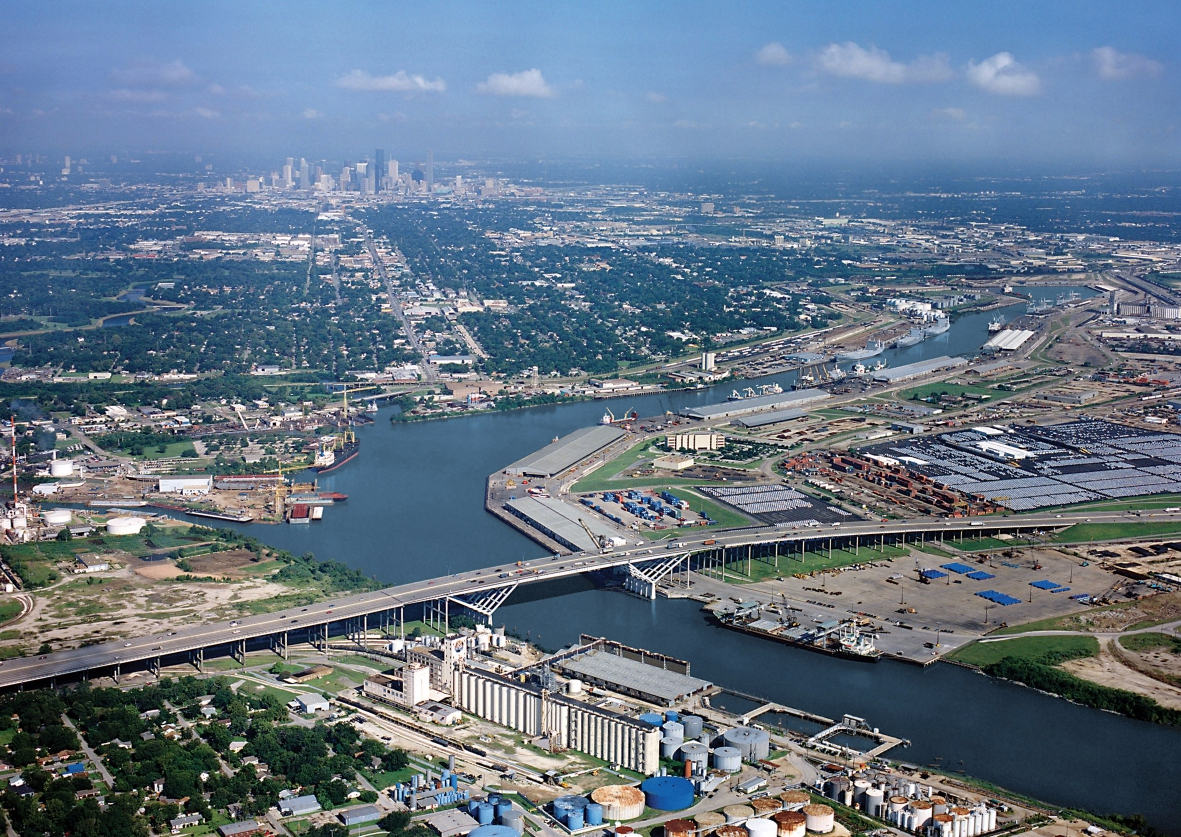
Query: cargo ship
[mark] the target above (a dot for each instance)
(911, 338)
(836, 637)
(872, 349)
(939, 325)
(997, 323)
(344, 449)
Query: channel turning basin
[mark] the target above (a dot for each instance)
(416, 510)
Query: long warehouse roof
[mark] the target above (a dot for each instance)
(633, 676)
(557, 456)
(561, 519)
(922, 367)
(1009, 339)
(745, 406)
(773, 417)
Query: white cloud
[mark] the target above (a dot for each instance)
(655, 98)
(1113, 65)
(1002, 75)
(155, 74)
(215, 90)
(525, 83)
(399, 82)
(954, 114)
(123, 94)
(311, 113)
(207, 113)
(773, 54)
(850, 60)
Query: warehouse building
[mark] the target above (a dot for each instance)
(746, 406)
(1008, 340)
(568, 723)
(566, 452)
(773, 417)
(695, 441)
(559, 521)
(632, 677)
(185, 486)
(917, 370)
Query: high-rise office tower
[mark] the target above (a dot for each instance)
(392, 166)
(378, 167)
(430, 168)
(287, 182)
(304, 182)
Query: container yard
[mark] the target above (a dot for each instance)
(779, 504)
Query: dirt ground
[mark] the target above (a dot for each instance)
(1160, 608)
(157, 570)
(1107, 670)
(229, 563)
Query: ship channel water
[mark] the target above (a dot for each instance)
(415, 510)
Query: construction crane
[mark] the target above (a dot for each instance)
(345, 389)
(238, 409)
(599, 541)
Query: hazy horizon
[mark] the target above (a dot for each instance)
(918, 83)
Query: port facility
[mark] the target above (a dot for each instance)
(565, 452)
(917, 370)
(746, 406)
(773, 417)
(560, 521)
(1009, 340)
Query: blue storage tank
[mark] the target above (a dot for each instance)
(594, 814)
(574, 820)
(472, 806)
(493, 831)
(503, 807)
(454, 782)
(493, 798)
(652, 719)
(667, 793)
(671, 716)
(485, 814)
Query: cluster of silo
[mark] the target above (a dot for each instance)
(496, 811)
(619, 802)
(578, 812)
(443, 788)
(790, 823)
(752, 743)
(910, 806)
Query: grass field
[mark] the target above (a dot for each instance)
(600, 480)
(171, 449)
(761, 570)
(1151, 642)
(938, 388)
(1029, 648)
(9, 610)
(1086, 532)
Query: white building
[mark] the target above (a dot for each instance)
(312, 703)
(186, 486)
(696, 441)
(409, 686)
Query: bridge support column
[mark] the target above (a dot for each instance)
(114, 676)
(402, 623)
(197, 658)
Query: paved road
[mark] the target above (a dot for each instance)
(300, 620)
(1166, 628)
(396, 306)
(90, 754)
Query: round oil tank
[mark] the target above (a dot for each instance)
(754, 744)
(673, 730)
(669, 747)
(897, 803)
(738, 813)
(493, 831)
(761, 828)
(125, 525)
(943, 822)
(5, 523)
(679, 828)
(794, 798)
(819, 819)
(692, 725)
(620, 802)
(58, 517)
(61, 468)
(667, 793)
(766, 806)
(21, 522)
(502, 808)
(920, 810)
(730, 831)
(485, 813)
(860, 786)
(515, 821)
(575, 820)
(728, 759)
(939, 804)
(624, 830)
(835, 787)
(574, 687)
(672, 716)
(874, 801)
(652, 719)
(695, 752)
(707, 821)
(593, 813)
(790, 823)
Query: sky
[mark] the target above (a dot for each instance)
(1085, 82)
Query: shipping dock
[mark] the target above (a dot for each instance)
(836, 637)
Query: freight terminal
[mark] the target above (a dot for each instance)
(566, 452)
(746, 406)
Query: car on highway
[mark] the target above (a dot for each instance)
(127, 645)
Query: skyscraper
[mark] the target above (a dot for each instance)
(430, 168)
(378, 167)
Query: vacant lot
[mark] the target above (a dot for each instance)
(1027, 648)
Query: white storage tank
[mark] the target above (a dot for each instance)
(695, 752)
(125, 525)
(761, 828)
(874, 801)
(620, 802)
(860, 786)
(673, 729)
(921, 811)
(897, 803)
(692, 725)
(819, 819)
(574, 687)
(754, 744)
(669, 747)
(57, 517)
(791, 823)
(61, 468)
(728, 759)
(738, 813)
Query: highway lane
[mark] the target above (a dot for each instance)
(183, 641)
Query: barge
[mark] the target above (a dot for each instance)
(837, 637)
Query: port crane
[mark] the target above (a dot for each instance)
(599, 541)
